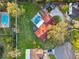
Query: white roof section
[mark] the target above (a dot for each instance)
(27, 55)
(70, 8)
(40, 23)
(57, 12)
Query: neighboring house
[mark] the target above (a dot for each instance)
(27, 55)
(75, 5)
(34, 53)
(75, 13)
(63, 52)
(37, 53)
(70, 8)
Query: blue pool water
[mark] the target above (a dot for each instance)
(4, 19)
(36, 20)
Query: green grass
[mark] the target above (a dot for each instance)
(26, 36)
(52, 57)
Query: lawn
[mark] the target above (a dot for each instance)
(26, 37)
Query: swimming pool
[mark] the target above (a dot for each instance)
(36, 19)
(4, 20)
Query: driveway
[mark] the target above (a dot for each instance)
(57, 12)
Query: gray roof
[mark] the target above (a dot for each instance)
(75, 13)
(64, 52)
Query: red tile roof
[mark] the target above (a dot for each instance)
(41, 30)
(46, 16)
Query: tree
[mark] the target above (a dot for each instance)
(52, 57)
(75, 39)
(69, 1)
(1, 50)
(77, 19)
(57, 19)
(58, 33)
(14, 53)
(64, 8)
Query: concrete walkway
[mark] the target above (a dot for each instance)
(57, 12)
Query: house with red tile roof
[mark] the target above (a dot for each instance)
(41, 20)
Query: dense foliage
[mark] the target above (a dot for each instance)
(58, 33)
(64, 8)
(75, 39)
(57, 19)
(6, 34)
(52, 57)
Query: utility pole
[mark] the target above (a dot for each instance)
(16, 26)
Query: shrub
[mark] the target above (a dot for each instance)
(1, 51)
(57, 33)
(75, 39)
(57, 19)
(64, 8)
